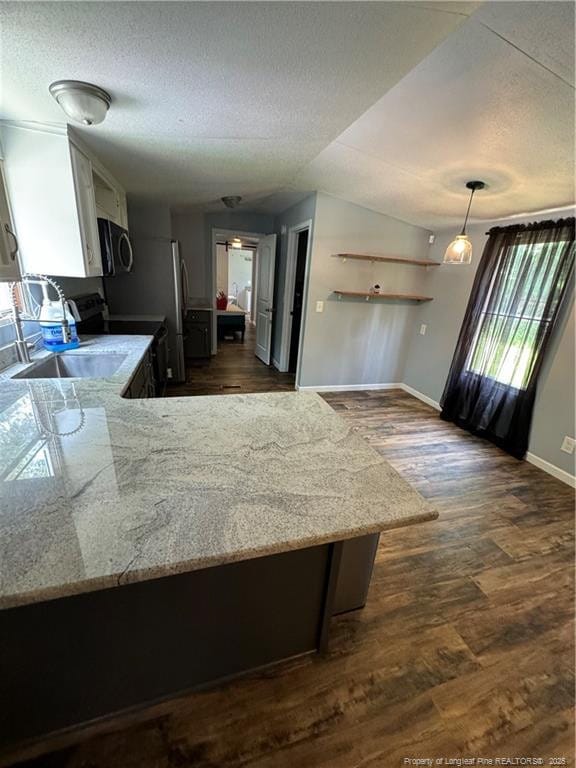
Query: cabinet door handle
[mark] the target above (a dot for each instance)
(14, 251)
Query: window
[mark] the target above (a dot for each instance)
(524, 275)
(22, 297)
(519, 304)
(5, 299)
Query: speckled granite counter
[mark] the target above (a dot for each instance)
(99, 491)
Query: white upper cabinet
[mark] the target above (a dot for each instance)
(56, 192)
(86, 209)
(9, 268)
(110, 199)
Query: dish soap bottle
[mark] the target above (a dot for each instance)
(51, 327)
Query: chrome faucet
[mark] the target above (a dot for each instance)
(31, 277)
(21, 345)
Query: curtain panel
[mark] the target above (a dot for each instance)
(524, 277)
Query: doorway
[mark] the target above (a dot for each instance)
(234, 289)
(298, 299)
(293, 293)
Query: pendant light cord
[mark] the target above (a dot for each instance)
(467, 212)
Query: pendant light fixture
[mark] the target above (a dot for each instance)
(82, 102)
(460, 249)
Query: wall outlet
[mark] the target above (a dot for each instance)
(319, 306)
(283, 229)
(568, 444)
(423, 329)
(169, 372)
(431, 239)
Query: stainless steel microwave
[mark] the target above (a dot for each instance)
(115, 248)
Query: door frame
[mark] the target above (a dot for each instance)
(289, 285)
(218, 232)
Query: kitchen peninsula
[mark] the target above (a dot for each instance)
(152, 546)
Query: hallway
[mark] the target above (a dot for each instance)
(234, 370)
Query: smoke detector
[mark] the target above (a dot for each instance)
(231, 201)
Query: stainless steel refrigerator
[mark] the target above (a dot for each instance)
(157, 285)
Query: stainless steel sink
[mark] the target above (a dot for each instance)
(70, 366)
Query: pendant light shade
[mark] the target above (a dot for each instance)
(460, 249)
(82, 102)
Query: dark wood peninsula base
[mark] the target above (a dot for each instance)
(75, 661)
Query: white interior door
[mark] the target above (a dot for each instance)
(266, 262)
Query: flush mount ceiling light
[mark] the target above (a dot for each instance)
(231, 201)
(83, 102)
(460, 250)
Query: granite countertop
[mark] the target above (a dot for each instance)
(98, 491)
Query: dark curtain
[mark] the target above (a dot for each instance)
(524, 276)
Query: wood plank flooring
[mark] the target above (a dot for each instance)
(234, 370)
(465, 648)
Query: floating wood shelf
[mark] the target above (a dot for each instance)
(391, 259)
(367, 295)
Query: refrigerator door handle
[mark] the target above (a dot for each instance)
(178, 289)
(185, 285)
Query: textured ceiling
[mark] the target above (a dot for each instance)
(478, 107)
(213, 99)
(393, 106)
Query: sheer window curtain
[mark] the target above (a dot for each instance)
(524, 277)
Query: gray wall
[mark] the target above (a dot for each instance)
(291, 217)
(149, 219)
(429, 356)
(353, 341)
(189, 229)
(194, 231)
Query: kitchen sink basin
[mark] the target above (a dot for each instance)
(70, 366)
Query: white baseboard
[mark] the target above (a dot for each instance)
(551, 469)
(420, 396)
(347, 387)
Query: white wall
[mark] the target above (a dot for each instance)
(353, 341)
(240, 272)
(429, 357)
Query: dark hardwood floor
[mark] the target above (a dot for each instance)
(465, 648)
(234, 370)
